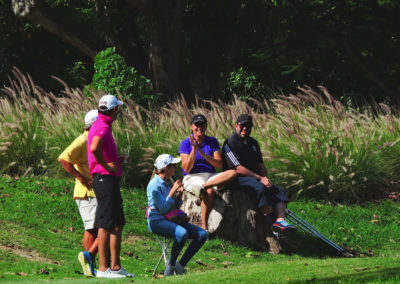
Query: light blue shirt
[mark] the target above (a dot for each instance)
(158, 200)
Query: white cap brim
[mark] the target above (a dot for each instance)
(176, 160)
(119, 103)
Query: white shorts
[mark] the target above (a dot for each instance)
(87, 209)
(193, 182)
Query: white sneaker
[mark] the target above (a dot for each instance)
(108, 274)
(122, 271)
(179, 268)
(195, 189)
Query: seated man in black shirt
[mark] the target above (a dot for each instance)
(242, 152)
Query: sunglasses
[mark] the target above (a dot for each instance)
(247, 125)
(200, 124)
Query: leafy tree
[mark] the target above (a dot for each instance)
(350, 47)
(112, 74)
(244, 84)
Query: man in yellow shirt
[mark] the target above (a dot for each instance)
(74, 160)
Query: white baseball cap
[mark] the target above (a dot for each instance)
(91, 117)
(109, 102)
(164, 160)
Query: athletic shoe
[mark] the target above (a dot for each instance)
(195, 189)
(169, 270)
(87, 271)
(90, 260)
(122, 271)
(283, 227)
(109, 274)
(179, 268)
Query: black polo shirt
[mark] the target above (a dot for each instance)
(236, 151)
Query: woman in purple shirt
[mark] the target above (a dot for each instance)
(200, 156)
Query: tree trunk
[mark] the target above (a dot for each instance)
(164, 23)
(119, 22)
(34, 10)
(235, 217)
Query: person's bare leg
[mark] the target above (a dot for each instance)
(90, 241)
(221, 179)
(94, 247)
(103, 239)
(280, 211)
(88, 238)
(206, 206)
(115, 247)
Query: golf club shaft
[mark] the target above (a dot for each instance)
(311, 230)
(315, 232)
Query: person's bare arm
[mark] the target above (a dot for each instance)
(188, 160)
(262, 169)
(215, 160)
(177, 187)
(96, 148)
(69, 168)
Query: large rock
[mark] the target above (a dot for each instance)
(235, 217)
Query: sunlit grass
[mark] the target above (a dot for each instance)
(41, 237)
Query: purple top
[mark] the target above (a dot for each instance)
(102, 128)
(209, 146)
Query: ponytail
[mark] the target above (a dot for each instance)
(156, 172)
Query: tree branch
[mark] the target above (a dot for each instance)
(34, 11)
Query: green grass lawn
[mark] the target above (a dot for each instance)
(41, 231)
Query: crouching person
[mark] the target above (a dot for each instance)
(164, 197)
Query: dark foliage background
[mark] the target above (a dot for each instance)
(211, 48)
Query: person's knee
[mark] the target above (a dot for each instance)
(92, 232)
(281, 193)
(207, 194)
(117, 230)
(181, 234)
(252, 183)
(258, 187)
(203, 236)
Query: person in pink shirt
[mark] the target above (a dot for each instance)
(105, 168)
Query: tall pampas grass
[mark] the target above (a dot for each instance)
(311, 143)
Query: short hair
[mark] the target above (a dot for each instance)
(103, 110)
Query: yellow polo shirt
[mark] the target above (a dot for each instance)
(76, 154)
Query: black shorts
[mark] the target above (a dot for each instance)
(264, 196)
(109, 201)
